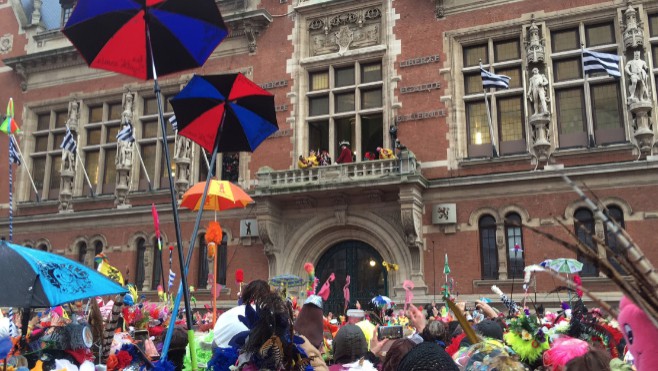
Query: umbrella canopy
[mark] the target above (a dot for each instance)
(230, 104)
(36, 279)
(222, 195)
(565, 265)
(287, 280)
(381, 300)
(114, 35)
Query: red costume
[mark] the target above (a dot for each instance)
(345, 155)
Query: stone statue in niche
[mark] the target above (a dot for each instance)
(636, 69)
(537, 92)
(124, 156)
(183, 148)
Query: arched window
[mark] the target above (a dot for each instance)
(82, 251)
(157, 265)
(514, 234)
(140, 272)
(222, 256)
(98, 248)
(584, 225)
(616, 214)
(489, 255)
(43, 246)
(202, 272)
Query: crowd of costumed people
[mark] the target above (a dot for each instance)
(270, 329)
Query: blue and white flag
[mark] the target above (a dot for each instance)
(68, 143)
(601, 62)
(13, 153)
(126, 133)
(491, 80)
(172, 277)
(173, 122)
(13, 329)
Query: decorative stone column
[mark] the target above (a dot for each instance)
(67, 169)
(411, 216)
(182, 159)
(538, 95)
(639, 99)
(124, 157)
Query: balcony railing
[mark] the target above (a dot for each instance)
(340, 173)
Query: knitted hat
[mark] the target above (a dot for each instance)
(349, 344)
(427, 357)
(490, 328)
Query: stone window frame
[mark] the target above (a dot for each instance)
(481, 246)
(652, 50)
(508, 227)
(493, 95)
(56, 114)
(309, 63)
(584, 83)
(109, 125)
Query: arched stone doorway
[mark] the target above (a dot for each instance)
(364, 266)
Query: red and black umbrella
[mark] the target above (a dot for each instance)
(133, 37)
(225, 113)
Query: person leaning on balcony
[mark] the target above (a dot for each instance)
(345, 153)
(302, 163)
(312, 159)
(385, 153)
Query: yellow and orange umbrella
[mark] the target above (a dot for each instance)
(222, 195)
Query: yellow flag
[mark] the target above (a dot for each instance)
(111, 272)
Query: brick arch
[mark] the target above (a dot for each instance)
(622, 204)
(523, 213)
(475, 216)
(317, 235)
(43, 241)
(28, 243)
(147, 262)
(570, 210)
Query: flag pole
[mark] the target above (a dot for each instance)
(491, 131)
(141, 161)
(590, 135)
(18, 148)
(84, 171)
(11, 203)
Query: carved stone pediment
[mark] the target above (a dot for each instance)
(338, 33)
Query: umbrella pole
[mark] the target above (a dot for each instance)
(214, 288)
(174, 207)
(167, 341)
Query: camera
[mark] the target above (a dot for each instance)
(389, 332)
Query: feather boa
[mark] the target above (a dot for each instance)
(528, 350)
(223, 359)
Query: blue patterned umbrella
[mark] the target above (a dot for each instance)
(32, 278)
(287, 280)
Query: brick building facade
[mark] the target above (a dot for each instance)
(351, 71)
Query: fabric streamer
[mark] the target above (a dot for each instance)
(510, 304)
(346, 291)
(408, 285)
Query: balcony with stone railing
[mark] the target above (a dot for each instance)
(337, 176)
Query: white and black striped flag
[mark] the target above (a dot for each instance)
(68, 143)
(491, 80)
(13, 153)
(172, 277)
(601, 62)
(126, 133)
(173, 122)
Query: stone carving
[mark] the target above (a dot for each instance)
(67, 170)
(632, 29)
(124, 157)
(534, 46)
(344, 31)
(344, 38)
(636, 69)
(537, 92)
(6, 43)
(182, 159)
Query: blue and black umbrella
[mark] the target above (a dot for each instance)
(142, 37)
(32, 278)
